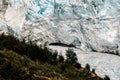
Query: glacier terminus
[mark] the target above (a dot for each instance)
(87, 24)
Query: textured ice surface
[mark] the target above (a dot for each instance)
(88, 24)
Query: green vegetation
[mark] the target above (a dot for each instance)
(106, 77)
(21, 60)
(87, 66)
(72, 58)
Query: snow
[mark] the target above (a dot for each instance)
(104, 64)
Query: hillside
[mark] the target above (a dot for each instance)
(17, 66)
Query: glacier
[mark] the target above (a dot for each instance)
(90, 25)
(87, 24)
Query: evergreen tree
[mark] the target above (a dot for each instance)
(106, 77)
(71, 57)
(77, 65)
(60, 58)
(87, 66)
(93, 70)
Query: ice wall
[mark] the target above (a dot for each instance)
(88, 24)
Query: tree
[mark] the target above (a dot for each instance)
(106, 77)
(60, 58)
(87, 66)
(77, 65)
(54, 55)
(93, 70)
(71, 57)
(53, 60)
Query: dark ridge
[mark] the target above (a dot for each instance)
(111, 52)
(62, 44)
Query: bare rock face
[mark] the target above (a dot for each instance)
(88, 24)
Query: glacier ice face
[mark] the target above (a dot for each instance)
(88, 24)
